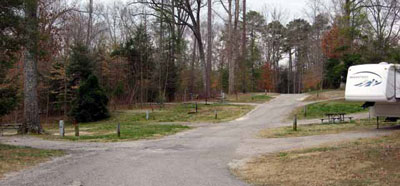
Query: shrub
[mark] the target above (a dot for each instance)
(8, 100)
(91, 102)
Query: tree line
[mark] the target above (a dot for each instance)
(75, 59)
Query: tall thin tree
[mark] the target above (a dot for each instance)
(244, 48)
(90, 23)
(209, 49)
(231, 62)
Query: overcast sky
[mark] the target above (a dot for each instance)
(294, 8)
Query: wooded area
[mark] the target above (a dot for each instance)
(63, 58)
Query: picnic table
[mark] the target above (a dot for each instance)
(6, 126)
(332, 117)
(335, 116)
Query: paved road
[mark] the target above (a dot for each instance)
(196, 157)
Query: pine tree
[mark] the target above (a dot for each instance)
(10, 28)
(80, 66)
(91, 102)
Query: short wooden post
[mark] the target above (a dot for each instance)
(76, 129)
(184, 97)
(119, 130)
(62, 130)
(377, 122)
(295, 123)
(216, 114)
(196, 107)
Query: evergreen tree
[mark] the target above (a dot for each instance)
(8, 100)
(10, 42)
(91, 102)
(81, 65)
(138, 51)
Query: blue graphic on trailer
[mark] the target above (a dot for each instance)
(376, 80)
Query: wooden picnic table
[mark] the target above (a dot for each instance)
(6, 126)
(335, 116)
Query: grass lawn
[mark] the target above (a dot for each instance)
(162, 122)
(318, 110)
(373, 161)
(319, 129)
(185, 113)
(249, 98)
(15, 158)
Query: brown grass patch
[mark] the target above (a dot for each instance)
(320, 129)
(325, 95)
(363, 162)
(15, 158)
(250, 97)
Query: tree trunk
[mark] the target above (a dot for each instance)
(294, 71)
(192, 67)
(31, 106)
(65, 89)
(203, 61)
(290, 70)
(347, 22)
(89, 28)
(231, 62)
(161, 54)
(235, 43)
(244, 49)
(209, 49)
(197, 33)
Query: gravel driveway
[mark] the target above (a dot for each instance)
(196, 157)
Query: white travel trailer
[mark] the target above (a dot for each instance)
(378, 84)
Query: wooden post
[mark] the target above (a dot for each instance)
(76, 129)
(196, 107)
(377, 122)
(147, 115)
(184, 97)
(119, 130)
(295, 123)
(216, 114)
(62, 130)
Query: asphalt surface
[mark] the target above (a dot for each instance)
(196, 157)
